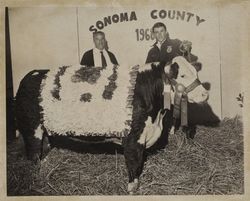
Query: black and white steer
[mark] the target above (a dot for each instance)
(37, 121)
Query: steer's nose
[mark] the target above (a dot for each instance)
(205, 94)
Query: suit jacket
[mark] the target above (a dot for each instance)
(88, 58)
(169, 49)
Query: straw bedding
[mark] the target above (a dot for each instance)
(211, 163)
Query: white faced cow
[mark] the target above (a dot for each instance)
(147, 111)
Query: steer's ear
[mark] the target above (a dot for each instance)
(172, 70)
(197, 66)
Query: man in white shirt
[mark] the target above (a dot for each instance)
(99, 56)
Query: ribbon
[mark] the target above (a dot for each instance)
(167, 96)
(184, 111)
(167, 100)
(180, 99)
(180, 105)
(177, 105)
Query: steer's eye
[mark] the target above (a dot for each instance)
(182, 76)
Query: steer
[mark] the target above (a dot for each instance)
(40, 113)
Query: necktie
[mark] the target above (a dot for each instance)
(104, 63)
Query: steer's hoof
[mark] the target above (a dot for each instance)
(34, 158)
(133, 186)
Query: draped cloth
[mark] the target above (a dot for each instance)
(98, 103)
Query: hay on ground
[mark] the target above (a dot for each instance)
(211, 163)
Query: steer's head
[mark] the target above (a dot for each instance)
(186, 77)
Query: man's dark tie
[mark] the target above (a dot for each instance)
(104, 63)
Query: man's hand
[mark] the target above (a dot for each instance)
(186, 46)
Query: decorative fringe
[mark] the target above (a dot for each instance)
(92, 134)
(78, 114)
(87, 74)
(57, 85)
(109, 89)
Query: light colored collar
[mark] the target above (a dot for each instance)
(158, 44)
(97, 50)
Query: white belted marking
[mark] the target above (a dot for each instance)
(151, 131)
(39, 133)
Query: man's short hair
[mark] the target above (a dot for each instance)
(159, 24)
(98, 32)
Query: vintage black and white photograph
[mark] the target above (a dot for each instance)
(106, 99)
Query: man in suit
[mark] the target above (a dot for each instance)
(99, 56)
